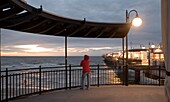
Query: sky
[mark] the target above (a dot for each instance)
(14, 43)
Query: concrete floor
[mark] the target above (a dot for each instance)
(132, 93)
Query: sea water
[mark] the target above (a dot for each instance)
(15, 62)
(53, 78)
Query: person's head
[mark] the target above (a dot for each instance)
(86, 57)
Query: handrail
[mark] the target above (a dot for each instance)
(19, 69)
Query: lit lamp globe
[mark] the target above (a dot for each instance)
(137, 22)
(152, 46)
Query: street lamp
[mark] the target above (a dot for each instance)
(137, 21)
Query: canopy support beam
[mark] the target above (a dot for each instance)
(123, 51)
(126, 60)
(66, 61)
(127, 20)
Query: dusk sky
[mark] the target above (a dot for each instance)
(15, 43)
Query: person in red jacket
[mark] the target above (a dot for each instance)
(86, 71)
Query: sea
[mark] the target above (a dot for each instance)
(23, 82)
(16, 62)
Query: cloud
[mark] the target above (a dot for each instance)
(93, 10)
(33, 48)
(101, 48)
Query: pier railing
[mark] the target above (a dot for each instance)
(21, 82)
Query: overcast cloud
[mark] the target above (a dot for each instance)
(92, 10)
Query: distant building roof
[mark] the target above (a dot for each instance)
(137, 50)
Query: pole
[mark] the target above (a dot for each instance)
(70, 76)
(40, 79)
(127, 60)
(159, 75)
(0, 69)
(123, 51)
(66, 61)
(127, 20)
(6, 85)
(98, 83)
(149, 56)
(127, 16)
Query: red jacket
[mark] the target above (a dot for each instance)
(85, 64)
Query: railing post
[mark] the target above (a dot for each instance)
(40, 79)
(6, 84)
(70, 76)
(66, 75)
(137, 76)
(123, 78)
(98, 81)
(127, 75)
(159, 75)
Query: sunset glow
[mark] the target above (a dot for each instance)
(33, 48)
(40, 50)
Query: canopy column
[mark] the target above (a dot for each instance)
(66, 62)
(123, 60)
(126, 60)
(127, 20)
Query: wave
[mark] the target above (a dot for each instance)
(44, 61)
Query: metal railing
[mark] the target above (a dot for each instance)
(20, 82)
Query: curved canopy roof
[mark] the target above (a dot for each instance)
(18, 15)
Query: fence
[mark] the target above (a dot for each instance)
(21, 82)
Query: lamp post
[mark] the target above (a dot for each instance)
(151, 47)
(136, 22)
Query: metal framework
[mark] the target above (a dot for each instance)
(20, 16)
